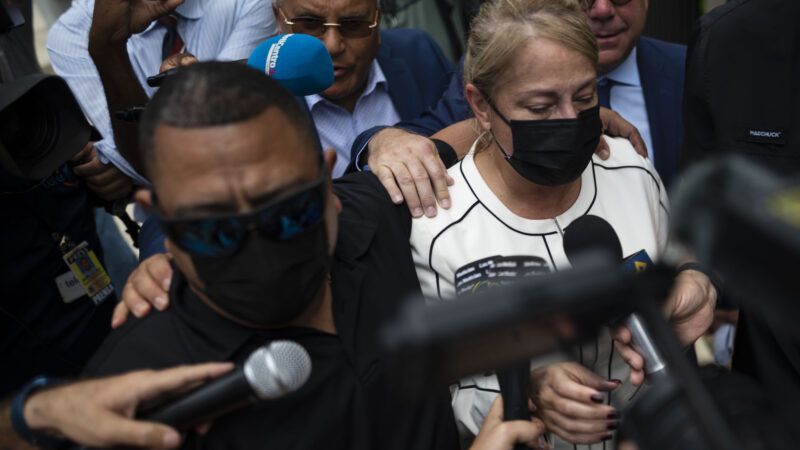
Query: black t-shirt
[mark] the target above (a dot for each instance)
(347, 402)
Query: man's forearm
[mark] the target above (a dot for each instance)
(123, 92)
(8, 437)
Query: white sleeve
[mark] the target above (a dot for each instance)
(68, 48)
(255, 23)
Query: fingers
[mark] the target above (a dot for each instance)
(615, 125)
(423, 186)
(115, 431)
(584, 411)
(634, 360)
(408, 188)
(179, 60)
(120, 314)
(386, 178)
(148, 285)
(92, 168)
(84, 155)
(602, 149)
(148, 385)
(522, 431)
(578, 438)
(440, 179)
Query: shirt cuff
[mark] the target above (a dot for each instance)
(109, 154)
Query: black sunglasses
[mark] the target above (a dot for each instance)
(280, 219)
(314, 26)
(589, 4)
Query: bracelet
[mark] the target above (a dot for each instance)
(716, 281)
(18, 416)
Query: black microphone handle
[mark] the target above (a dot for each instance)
(205, 403)
(514, 382)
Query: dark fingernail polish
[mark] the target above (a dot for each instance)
(598, 398)
(614, 415)
(612, 426)
(607, 437)
(616, 381)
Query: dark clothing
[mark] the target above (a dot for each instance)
(17, 49)
(39, 332)
(347, 403)
(742, 91)
(661, 68)
(743, 96)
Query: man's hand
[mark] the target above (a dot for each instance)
(177, 60)
(498, 435)
(615, 125)
(99, 413)
(114, 21)
(409, 167)
(690, 310)
(569, 399)
(148, 285)
(105, 180)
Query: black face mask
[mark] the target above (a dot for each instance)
(267, 282)
(553, 152)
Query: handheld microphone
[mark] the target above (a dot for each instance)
(486, 274)
(270, 372)
(299, 62)
(594, 233)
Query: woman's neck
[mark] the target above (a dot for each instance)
(522, 197)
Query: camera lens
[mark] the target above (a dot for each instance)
(29, 128)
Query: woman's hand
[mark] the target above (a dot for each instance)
(148, 285)
(498, 435)
(569, 399)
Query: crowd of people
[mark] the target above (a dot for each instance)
(267, 216)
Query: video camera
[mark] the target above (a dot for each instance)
(10, 15)
(41, 126)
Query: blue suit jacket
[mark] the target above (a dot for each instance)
(661, 68)
(416, 70)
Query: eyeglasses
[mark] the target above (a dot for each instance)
(314, 26)
(589, 4)
(281, 219)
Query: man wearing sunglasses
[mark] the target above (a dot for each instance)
(380, 77)
(642, 81)
(246, 202)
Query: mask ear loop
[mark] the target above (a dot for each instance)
(506, 121)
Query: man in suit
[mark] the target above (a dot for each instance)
(646, 79)
(380, 78)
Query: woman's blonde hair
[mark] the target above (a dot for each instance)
(502, 27)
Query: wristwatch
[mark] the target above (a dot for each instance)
(18, 416)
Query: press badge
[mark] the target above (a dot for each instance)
(87, 270)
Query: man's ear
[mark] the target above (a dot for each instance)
(144, 197)
(480, 106)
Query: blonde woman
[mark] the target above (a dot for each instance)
(530, 79)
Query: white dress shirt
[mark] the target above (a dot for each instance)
(627, 98)
(338, 128)
(225, 30)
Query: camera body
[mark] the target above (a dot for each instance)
(10, 15)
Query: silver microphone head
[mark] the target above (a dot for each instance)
(277, 369)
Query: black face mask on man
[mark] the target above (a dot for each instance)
(553, 152)
(267, 282)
